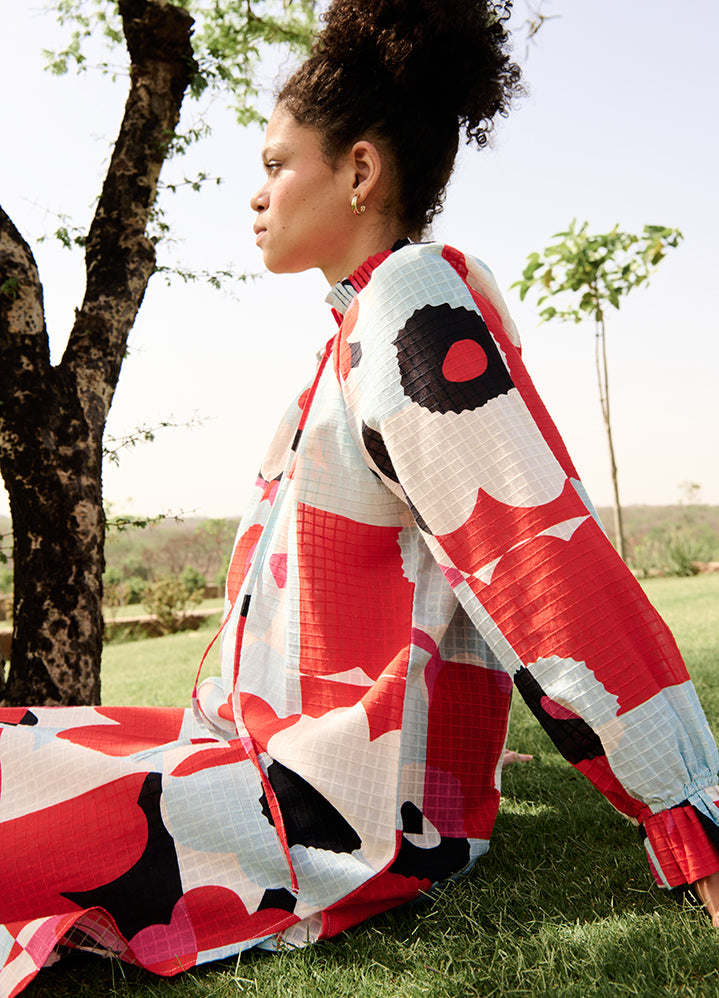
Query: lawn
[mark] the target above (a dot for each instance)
(563, 905)
(158, 672)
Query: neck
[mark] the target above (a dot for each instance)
(370, 240)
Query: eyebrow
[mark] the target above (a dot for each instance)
(274, 149)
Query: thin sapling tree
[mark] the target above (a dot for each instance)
(585, 274)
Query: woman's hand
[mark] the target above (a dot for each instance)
(510, 756)
(707, 890)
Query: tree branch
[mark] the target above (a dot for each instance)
(120, 258)
(24, 345)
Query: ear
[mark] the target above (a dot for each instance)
(366, 164)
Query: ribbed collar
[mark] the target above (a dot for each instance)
(340, 296)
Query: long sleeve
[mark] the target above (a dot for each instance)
(441, 406)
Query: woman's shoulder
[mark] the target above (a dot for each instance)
(432, 256)
(434, 272)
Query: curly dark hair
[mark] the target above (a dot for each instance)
(408, 74)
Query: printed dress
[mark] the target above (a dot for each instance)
(417, 542)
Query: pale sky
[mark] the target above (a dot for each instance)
(620, 126)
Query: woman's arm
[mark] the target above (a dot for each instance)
(450, 421)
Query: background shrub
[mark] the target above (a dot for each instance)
(168, 600)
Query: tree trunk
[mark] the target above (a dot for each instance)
(58, 531)
(603, 380)
(52, 419)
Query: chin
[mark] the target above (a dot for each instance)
(286, 267)
(274, 265)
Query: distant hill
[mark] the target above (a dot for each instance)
(205, 544)
(640, 520)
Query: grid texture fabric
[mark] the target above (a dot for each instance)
(417, 543)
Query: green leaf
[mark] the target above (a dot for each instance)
(10, 287)
(548, 313)
(592, 269)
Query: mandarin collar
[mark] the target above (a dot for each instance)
(341, 295)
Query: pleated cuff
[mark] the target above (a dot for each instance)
(682, 843)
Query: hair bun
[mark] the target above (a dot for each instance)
(441, 51)
(412, 73)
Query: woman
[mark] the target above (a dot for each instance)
(417, 540)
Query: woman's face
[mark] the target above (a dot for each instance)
(304, 218)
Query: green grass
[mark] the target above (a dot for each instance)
(158, 672)
(562, 907)
(691, 608)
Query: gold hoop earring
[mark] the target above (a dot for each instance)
(358, 209)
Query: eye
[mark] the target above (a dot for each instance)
(272, 166)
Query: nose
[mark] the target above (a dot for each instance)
(258, 201)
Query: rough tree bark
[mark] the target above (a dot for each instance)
(52, 419)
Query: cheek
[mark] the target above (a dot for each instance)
(289, 209)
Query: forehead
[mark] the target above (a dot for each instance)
(285, 135)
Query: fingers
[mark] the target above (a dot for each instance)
(511, 757)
